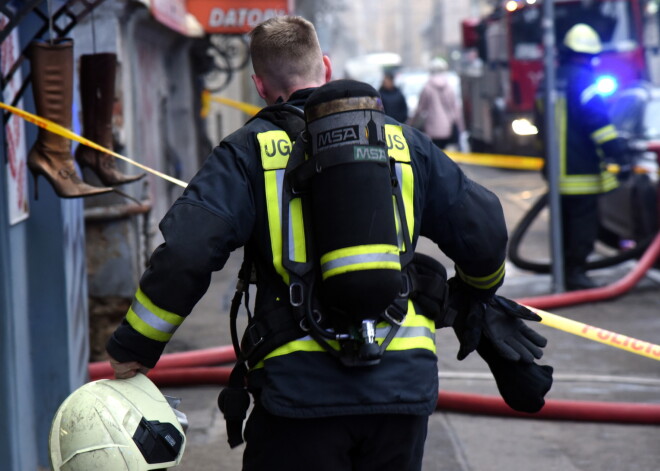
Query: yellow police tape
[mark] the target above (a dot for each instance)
(516, 162)
(246, 108)
(64, 132)
(597, 334)
(488, 160)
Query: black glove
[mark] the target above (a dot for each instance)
(499, 320)
(523, 386)
(624, 173)
(510, 336)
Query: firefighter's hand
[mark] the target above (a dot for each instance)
(503, 325)
(496, 319)
(124, 370)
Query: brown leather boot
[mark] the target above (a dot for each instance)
(97, 95)
(52, 87)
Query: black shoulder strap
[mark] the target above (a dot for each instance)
(234, 400)
(285, 116)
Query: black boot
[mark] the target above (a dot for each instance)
(576, 279)
(52, 86)
(97, 94)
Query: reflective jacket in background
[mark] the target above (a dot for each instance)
(225, 207)
(587, 138)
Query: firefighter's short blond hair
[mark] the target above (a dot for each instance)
(286, 50)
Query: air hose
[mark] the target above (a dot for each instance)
(524, 225)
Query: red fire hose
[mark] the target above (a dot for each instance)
(554, 409)
(602, 293)
(179, 361)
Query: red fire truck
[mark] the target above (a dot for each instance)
(503, 64)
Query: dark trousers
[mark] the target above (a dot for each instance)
(580, 229)
(389, 442)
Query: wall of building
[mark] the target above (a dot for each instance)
(71, 257)
(43, 300)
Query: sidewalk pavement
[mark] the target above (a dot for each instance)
(584, 371)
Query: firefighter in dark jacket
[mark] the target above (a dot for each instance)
(587, 142)
(310, 410)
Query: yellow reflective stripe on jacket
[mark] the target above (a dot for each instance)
(361, 257)
(582, 184)
(587, 184)
(604, 134)
(150, 320)
(397, 149)
(416, 332)
(483, 282)
(275, 149)
(297, 245)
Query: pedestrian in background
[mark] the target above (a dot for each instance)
(438, 112)
(394, 101)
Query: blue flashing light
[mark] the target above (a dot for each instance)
(606, 85)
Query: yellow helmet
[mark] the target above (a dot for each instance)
(583, 38)
(116, 425)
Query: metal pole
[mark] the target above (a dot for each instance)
(551, 148)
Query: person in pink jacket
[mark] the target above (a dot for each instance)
(438, 112)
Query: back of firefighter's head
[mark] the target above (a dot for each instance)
(286, 56)
(582, 39)
(116, 425)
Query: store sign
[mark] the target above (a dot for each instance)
(171, 13)
(17, 191)
(235, 16)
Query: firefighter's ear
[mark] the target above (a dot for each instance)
(259, 85)
(328, 68)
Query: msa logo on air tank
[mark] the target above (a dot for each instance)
(337, 135)
(369, 153)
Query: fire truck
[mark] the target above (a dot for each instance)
(504, 59)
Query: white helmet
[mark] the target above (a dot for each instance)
(583, 38)
(116, 425)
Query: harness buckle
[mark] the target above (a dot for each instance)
(316, 314)
(394, 315)
(296, 294)
(252, 338)
(406, 288)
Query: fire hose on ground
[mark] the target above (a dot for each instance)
(554, 409)
(521, 229)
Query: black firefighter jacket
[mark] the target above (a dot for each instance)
(224, 208)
